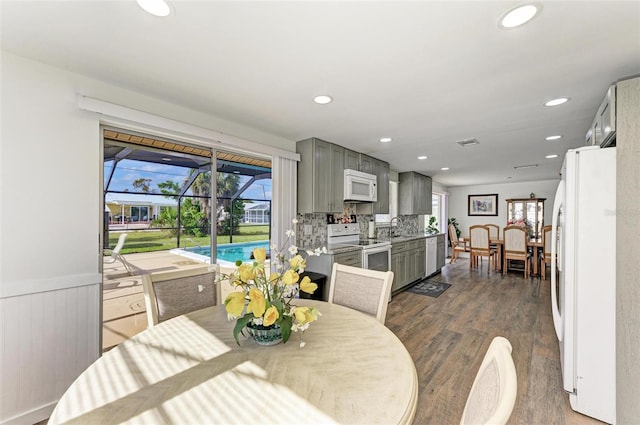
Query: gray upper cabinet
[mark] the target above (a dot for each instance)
(336, 191)
(380, 169)
(382, 206)
(320, 176)
(351, 160)
(414, 193)
(367, 164)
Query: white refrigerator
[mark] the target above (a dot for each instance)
(583, 296)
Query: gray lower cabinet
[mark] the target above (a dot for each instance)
(407, 262)
(351, 258)
(324, 264)
(320, 176)
(441, 253)
(399, 269)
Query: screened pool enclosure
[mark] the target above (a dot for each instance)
(163, 194)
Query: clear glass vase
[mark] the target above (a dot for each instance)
(269, 335)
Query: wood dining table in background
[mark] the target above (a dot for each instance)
(352, 370)
(534, 244)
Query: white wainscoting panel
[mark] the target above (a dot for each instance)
(46, 340)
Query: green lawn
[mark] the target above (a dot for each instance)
(160, 240)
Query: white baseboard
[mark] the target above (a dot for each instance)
(31, 417)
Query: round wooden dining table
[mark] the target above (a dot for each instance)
(189, 370)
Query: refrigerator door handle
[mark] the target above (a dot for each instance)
(557, 317)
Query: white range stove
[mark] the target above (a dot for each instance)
(376, 253)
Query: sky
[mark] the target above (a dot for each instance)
(128, 171)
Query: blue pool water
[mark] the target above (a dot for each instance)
(231, 252)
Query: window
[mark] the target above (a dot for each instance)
(437, 211)
(160, 193)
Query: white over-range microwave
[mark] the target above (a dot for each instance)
(360, 187)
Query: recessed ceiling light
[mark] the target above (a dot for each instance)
(553, 138)
(519, 15)
(155, 7)
(323, 99)
(551, 156)
(385, 139)
(556, 102)
(422, 157)
(445, 168)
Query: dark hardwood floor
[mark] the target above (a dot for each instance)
(449, 335)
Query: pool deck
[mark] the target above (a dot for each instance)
(124, 313)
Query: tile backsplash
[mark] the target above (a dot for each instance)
(318, 222)
(317, 236)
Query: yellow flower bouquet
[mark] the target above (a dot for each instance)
(265, 300)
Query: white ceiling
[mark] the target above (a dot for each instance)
(425, 73)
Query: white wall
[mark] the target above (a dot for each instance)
(458, 200)
(437, 187)
(50, 192)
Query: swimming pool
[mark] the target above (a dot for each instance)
(226, 253)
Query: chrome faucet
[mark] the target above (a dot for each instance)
(391, 232)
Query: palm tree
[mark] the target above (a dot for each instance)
(201, 187)
(227, 186)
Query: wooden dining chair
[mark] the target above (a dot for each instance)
(494, 231)
(480, 246)
(173, 293)
(494, 234)
(364, 290)
(545, 257)
(456, 245)
(494, 390)
(515, 248)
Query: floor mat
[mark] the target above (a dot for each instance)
(429, 287)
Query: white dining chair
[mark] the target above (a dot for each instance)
(480, 246)
(173, 293)
(515, 248)
(364, 290)
(494, 389)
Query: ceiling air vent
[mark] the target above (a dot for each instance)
(522, 167)
(468, 142)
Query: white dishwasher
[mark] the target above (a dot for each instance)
(432, 255)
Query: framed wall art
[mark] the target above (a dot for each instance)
(483, 204)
